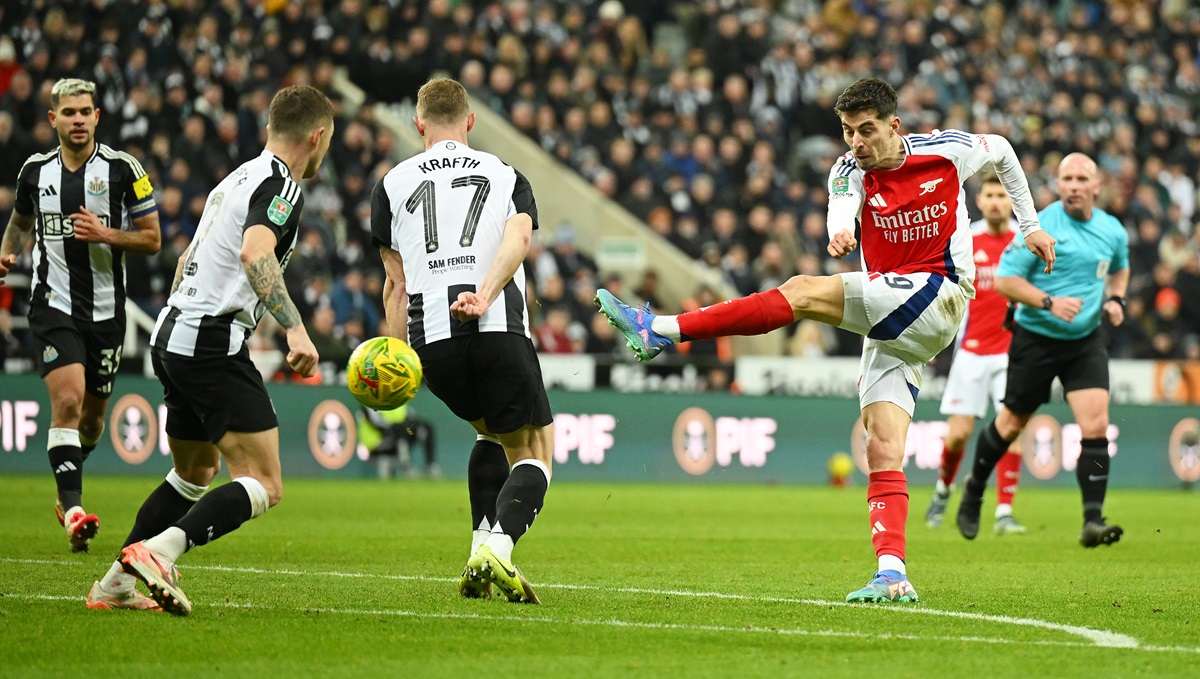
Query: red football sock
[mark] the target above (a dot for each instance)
(887, 499)
(950, 461)
(1008, 475)
(756, 314)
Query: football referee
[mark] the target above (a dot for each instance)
(1057, 334)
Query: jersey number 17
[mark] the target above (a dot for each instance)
(424, 197)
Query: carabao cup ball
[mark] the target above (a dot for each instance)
(840, 467)
(383, 373)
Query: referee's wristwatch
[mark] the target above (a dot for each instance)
(1047, 302)
(1118, 299)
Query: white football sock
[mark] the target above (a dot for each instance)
(500, 544)
(480, 535)
(942, 488)
(69, 516)
(1003, 510)
(116, 580)
(888, 562)
(667, 326)
(169, 545)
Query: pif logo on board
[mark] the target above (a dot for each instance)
(1041, 446)
(1184, 450)
(133, 427)
(700, 440)
(694, 440)
(331, 434)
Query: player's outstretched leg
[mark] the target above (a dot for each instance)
(253, 461)
(1008, 476)
(195, 464)
(1091, 473)
(517, 506)
(162, 508)
(817, 297)
(887, 503)
(487, 470)
(636, 325)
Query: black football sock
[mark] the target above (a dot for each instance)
(66, 459)
(521, 499)
(164, 506)
(988, 451)
(221, 511)
(1092, 474)
(87, 445)
(487, 471)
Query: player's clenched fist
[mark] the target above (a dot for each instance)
(469, 306)
(302, 355)
(842, 244)
(1041, 244)
(7, 262)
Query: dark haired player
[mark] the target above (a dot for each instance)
(905, 194)
(84, 204)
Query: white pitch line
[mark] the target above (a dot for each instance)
(1098, 637)
(633, 624)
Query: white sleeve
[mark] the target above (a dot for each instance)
(995, 151)
(845, 196)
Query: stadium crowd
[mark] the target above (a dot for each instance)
(711, 121)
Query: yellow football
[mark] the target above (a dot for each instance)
(383, 373)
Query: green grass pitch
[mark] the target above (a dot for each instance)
(358, 578)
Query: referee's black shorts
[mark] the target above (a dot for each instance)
(207, 397)
(489, 376)
(1035, 360)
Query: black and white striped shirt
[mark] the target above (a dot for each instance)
(444, 211)
(214, 310)
(85, 280)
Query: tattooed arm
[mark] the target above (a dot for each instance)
(266, 279)
(17, 237)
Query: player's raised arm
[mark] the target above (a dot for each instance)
(995, 150)
(845, 203)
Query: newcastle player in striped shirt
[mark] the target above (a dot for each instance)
(453, 226)
(217, 405)
(82, 205)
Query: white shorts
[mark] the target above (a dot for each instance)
(975, 378)
(906, 320)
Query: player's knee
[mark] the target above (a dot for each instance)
(198, 474)
(956, 440)
(1009, 424)
(1094, 427)
(264, 493)
(799, 291)
(68, 406)
(90, 429)
(884, 452)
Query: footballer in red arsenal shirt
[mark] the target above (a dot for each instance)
(902, 194)
(980, 366)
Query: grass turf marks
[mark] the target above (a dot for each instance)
(359, 578)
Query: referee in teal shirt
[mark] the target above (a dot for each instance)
(1057, 334)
